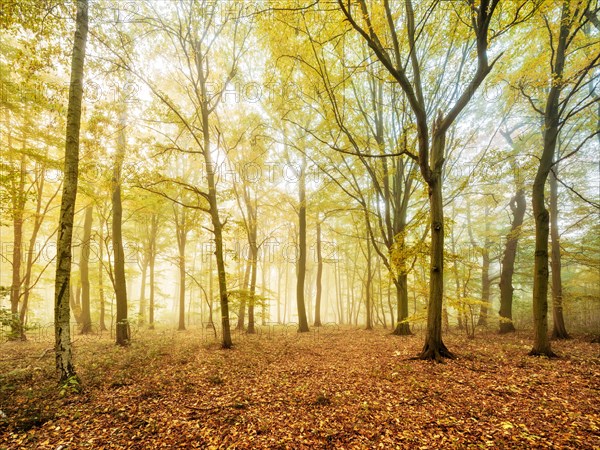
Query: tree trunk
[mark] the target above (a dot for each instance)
(485, 279)
(518, 206)
(101, 280)
(62, 331)
(402, 326)
(317, 322)
(301, 267)
(243, 295)
(559, 330)
(144, 274)
(84, 263)
(151, 263)
(181, 326)
(252, 292)
(181, 232)
(368, 289)
(122, 324)
(541, 343)
(434, 347)
(37, 223)
(19, 199)
(252, 238)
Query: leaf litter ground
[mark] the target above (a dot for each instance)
(327, 389)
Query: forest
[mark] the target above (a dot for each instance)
(299, 224)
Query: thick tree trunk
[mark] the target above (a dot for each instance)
(84, 263)
(559, 330)
(541, 344)
(402, 326)
(62, 331)
(317, 322)
(301, 267)
(518, 206)
(434, 347)
(122, 324)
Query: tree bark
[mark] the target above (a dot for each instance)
(151, 263)
(368, 288)
(181, 232)
(541, 344)
(18, 206)
(84, 262)
(485, 276)
(559, 330)
(518, 205)
(101, 280)
(301, 267)
(62, 331)
(122, 324)
(434, 347)
(318, 294)
(144, 275)
(243, 295)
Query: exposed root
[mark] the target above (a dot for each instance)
(437, 354)
(402, 329)
(547, 353)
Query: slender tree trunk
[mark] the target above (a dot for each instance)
(84, 263)
(518, 206)
(559, 330)
(62, 331)
(279, 294)
(252, 292)
(301, 267)
(181, 326)
(485, 280)
(19, 199)
(243, 295)
(37, 223)
(144, 275)
(319, 276)
(181, 231)
(368, 289)
(101, 280)
(122, 324)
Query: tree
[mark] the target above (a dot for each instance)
(562, 102)
(64, 362)
(431, 133)
(123, 333)
(86, 317)
(301, 264)
(518, 206)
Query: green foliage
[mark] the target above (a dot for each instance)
(70, 386)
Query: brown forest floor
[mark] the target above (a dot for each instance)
(331, 389)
